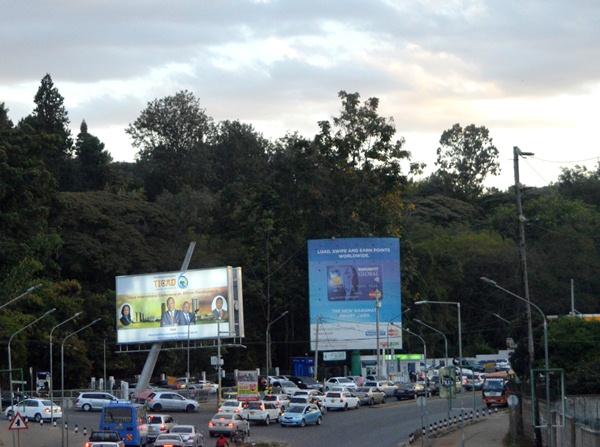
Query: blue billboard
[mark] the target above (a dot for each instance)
(347, 278)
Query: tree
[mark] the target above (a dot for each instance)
(91, 160)
(50, 120)
(466, 157)
(171, 135)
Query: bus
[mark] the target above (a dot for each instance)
(129, 420)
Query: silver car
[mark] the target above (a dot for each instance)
(190, 434)
(370, 395)
(169, 401)
(228, 424)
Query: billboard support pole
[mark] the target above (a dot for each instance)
(155, 350)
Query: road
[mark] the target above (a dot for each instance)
(394, 422)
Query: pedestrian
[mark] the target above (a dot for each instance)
(222, 442)
(360, 381)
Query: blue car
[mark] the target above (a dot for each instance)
(301, 415)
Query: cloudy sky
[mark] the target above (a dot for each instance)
(528, 70)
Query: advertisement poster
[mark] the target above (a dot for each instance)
(347, 277)
(172, 306)
(247, 383)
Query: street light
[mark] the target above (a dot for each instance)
(439, 332)
(188, 346)
(268, 341)
(546, 357)
(51, 363)
(10, 381)
(424, 348)
(62, 374)
(28, 291)
(460, 359)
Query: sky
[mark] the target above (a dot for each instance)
(528, 70)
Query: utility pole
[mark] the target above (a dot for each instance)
(522, 254)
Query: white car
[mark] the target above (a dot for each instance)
(286, 386)
(261, 411)
(341, 401)
(169, 401)
(311, 394)
(35, 409)
(190, 434)
(339, 381)
(231, 406)
(281, 401)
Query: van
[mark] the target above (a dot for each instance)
(129, 420)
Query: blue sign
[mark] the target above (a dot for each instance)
(348, 278)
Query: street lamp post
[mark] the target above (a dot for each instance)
(10, 381)
(188, 345)
(424, 349)
(51, 363)
(62, 374)
(27, 292)
(546, 356)
(268, 341)
(377, 308)
(446, 351)
(460, 359)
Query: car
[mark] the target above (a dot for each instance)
(428, 384)
(281, 401)
(105, 438)
(384, 385)
(231, 406)
(311, 394)
(287, 386)
(409, 390)
(341, 401)
(473, 381)
(470, 364)
(35, 409)
(169, 440)
(301, 415)
(185, 382)
(159, 424)
(306, 383)
(339, 381)
(190, 434)
(261, 411)
(94, 400)
(228, 424)
(170, 401)
(369, 395)
(206, 385)
(502, 365)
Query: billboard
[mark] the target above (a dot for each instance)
(176, 306)
(346, 279)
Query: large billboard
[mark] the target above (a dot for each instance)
(347, 277)
(176, 306)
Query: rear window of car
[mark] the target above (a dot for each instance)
(231, 403)
(333, 395)
(254, 405)
(270, 398)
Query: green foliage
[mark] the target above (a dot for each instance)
(91, 161)
(465, 158)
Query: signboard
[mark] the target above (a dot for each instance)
(18, 423)
(179, 306)
(447, 383)
(247, 383)
(334, 356)
(347, 277)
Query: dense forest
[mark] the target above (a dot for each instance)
(72, 219)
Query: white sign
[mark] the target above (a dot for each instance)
(334, 355)
(18, 423)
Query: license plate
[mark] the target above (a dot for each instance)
(252, 413)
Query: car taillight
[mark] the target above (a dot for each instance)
(230, 424)
(46, 410)
(150, 399)
(220, 410)
(261, 407)
(87, 444)
(237, 410)
(276, 404)
(163, 428)
(341, 399)
(210, 424)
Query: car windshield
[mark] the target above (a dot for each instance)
(295, 409)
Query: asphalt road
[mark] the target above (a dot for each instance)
(387, 425)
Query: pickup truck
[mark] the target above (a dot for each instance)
(104, 439)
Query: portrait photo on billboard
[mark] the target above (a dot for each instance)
(172, 305)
